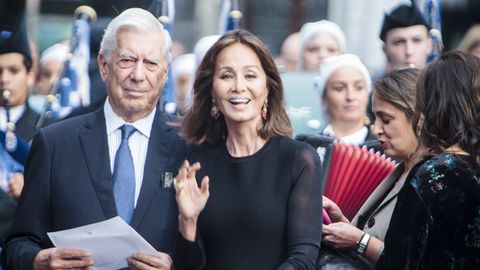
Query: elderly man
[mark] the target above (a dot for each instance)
(106, 163)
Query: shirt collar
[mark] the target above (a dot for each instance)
(114, 122)
(356, 138)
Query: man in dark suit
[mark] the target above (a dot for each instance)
(71, 176)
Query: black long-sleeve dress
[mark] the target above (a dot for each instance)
(436, 222)
(264, 210)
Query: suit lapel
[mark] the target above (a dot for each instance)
(160, 146)
(379, 193)
(94, 144)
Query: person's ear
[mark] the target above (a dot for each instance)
(102, 65)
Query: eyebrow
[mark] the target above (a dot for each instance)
(148, 58)
(245, 67)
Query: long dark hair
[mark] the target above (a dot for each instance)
(197, 125)
(448, 104)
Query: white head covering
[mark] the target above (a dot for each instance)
(183, 64)
(310, 29)
(202, 46)
(331, 64)
(56, 52)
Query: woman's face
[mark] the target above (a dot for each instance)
(394, 129)
(239, 85)
(321, 46)
(346, 96)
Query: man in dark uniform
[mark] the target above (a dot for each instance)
(405, 34)
(406, 41)
(17, 77)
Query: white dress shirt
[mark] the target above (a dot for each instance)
(138, 141)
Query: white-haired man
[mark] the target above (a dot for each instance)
(106, 163)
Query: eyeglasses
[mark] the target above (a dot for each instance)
(129, 61)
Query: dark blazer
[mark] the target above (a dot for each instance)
(7, 211)
(26, 126)
(68, 183)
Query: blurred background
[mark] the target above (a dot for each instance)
(50, 21)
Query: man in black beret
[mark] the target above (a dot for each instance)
(405, 34)
(16, 76)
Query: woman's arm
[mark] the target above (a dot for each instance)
(304, 216)
(191, 200)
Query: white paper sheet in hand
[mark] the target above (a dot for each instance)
(110, 242)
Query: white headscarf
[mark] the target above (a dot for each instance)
(331, 64)
(56, 52)
(310, 29)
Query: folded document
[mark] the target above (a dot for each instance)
(110, 242)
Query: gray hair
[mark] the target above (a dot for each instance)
(135, 19)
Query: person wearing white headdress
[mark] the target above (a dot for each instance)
(183, 70)
(344, 86)
(202, 46)
(51, 65)
(319, 40)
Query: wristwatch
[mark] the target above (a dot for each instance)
(363, 243)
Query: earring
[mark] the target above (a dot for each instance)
(264, 111)
(214, 112)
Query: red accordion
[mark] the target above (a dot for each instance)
(352, 173)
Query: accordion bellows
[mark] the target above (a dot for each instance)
(352, 174)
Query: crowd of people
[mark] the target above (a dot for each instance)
(245, 193)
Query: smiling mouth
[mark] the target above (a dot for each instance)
(239, 101)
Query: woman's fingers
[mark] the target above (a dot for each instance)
(192, 170)
(205, 186)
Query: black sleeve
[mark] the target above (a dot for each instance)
(304, 221)
(28, 234)
(187, 254)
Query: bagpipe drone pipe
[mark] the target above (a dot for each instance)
(72, 89)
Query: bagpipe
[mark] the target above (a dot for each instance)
(432, 15)
(72, 89)
(351, 173)
(13, 149)
(230, 16)
(164, 10)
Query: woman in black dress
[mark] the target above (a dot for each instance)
(258, 205)
(436, 221)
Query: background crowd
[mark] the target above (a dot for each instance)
(248, 183)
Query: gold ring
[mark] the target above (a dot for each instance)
(177, 185)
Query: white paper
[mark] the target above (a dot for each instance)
(110, 242)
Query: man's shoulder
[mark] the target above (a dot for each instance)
(71, 124)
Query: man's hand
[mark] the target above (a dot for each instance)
(142, 261)
(62, 258)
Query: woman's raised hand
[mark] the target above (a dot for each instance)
(191, 198)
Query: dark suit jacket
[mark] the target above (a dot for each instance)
(69, 184)
(26, 125)
(7, 211)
